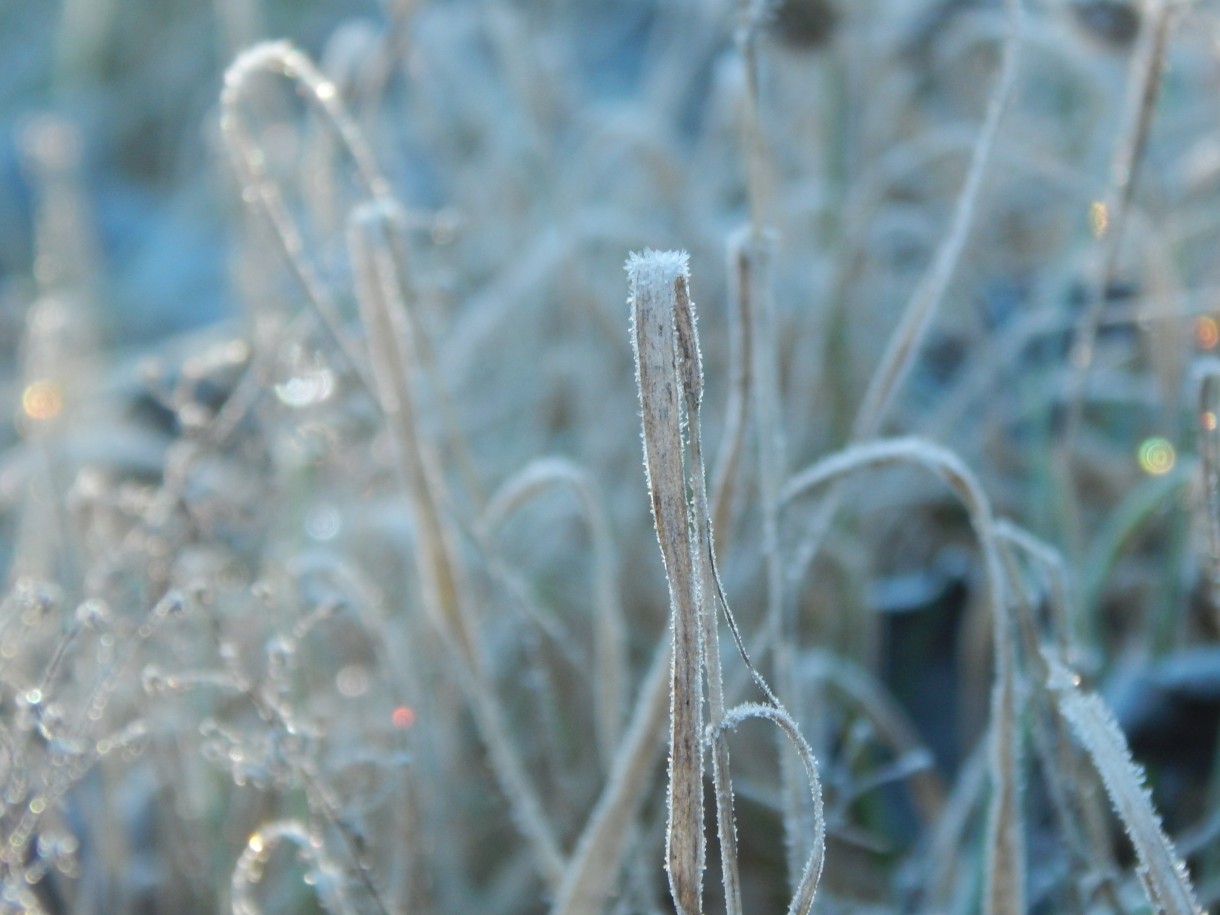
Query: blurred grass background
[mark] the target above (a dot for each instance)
(533, 144)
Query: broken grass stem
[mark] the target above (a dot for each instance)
(655, 278)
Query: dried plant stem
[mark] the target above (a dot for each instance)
(1059, 597)
(1005, 869)
(668, 362)
(258, 187)
(1208, 374)
(811, 873)
(920, 311)
(751, 253)
(751, 18)
(657, 279)
(1063, 613)
(597, 860)
(1161, 871)
(707, 588)
(1139, 103)
(391, 347)
(925, 301)
(1080, 820)
(741, 384)
(757, 383)
(1004, 855)
(280, 57)
(381, 290)
(757, 250)
(610, 631)
(378, 253)
(1143, 84)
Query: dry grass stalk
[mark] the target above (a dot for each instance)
(259, 188)
(610, 661)
(1162, 873)
(1139, 104)
(741, 384)
(925, 301)
(752, 16)
(921, 309)
(1005, 868)
(1060, 591)
(755, 251)
(670, 379)
(391, 347)
(597, 860)
(1208, 374)
(755, 385)
(811, 873)
(375, 228)
(657, 280)
(1069, 782)
(707, 589)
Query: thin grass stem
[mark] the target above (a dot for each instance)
(258, 187)
(1004, 866)
(609, 628)
(1207, 374)
(811, 873)
(388, 319)
(925, 301)
(597, 861)
(1144, 75)
(741, 384)
(920, 311)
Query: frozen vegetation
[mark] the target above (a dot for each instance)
(372, 542)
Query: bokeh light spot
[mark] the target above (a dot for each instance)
(1157, 456)
(352, 681)
(1099, 218)
(1207, 332)
(403, 717)
(322, 523)
(42, 400)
